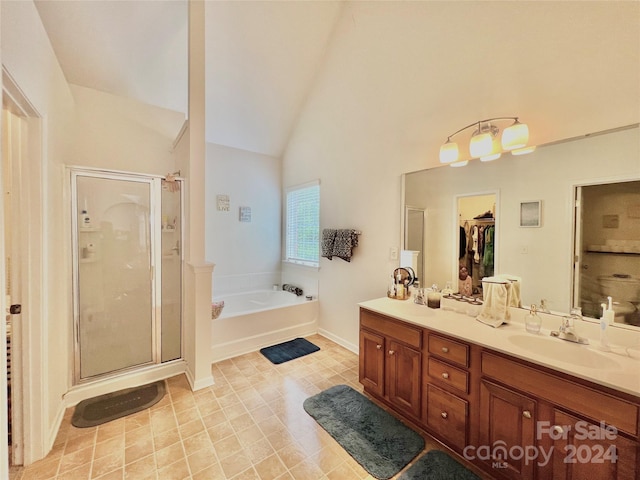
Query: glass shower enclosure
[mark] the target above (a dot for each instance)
(127, 271)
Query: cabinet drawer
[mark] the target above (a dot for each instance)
(388, 327)
(447, 416)
(448, 349)
(449, 375)
(599, 406)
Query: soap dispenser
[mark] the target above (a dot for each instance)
(532, 322)
(607, 318)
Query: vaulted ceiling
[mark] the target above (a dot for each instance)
(566, 68)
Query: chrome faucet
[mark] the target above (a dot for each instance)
(567, 328)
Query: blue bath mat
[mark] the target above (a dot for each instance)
(283, 352)
(373, 437)
(437, 465)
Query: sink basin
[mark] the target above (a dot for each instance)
(567, 352)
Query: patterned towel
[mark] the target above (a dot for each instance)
(345, 241)
(328, 239)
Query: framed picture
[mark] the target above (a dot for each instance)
(530, 213)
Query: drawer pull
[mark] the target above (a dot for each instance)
(378, 347)
(445, 375)
(445, 349)
(444, 415)
(391, 352)
(558, 429)
(526, 414)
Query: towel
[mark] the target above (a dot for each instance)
(346, 239)
(328, 239)
(292, 289)
(496, 293)
(515, 300)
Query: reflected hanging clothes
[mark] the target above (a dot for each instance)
(487, 260)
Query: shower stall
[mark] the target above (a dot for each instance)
(127, 265)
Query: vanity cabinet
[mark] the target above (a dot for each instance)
(491, 408)
(391, 361)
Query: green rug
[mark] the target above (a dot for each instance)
(437, 465)
(373, 437)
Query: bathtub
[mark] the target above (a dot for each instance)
(256, 319)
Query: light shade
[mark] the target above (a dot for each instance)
(515, 136)
(449, 152)
(459, 164)
(523, 151)
(481, 145)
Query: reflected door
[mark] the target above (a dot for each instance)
(114, 275)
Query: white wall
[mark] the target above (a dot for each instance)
(246, 254)
(28, 57)
(549, 175)
(123, 134)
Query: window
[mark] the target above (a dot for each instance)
(302, 224)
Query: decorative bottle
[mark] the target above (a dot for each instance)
(532, 322)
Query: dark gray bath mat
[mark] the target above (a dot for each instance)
(283, 352)
(437, 465)
(103, 409)
(373, 437)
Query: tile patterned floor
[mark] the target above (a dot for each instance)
(249, 425)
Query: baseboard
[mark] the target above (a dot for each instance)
(198, 384)
(339, 340)
(126, 380)
(241, 346)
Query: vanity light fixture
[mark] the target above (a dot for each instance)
(485, 143)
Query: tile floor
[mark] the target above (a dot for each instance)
(249, 425)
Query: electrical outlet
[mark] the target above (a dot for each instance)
(393, 253)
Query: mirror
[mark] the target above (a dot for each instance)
(414, 240)
(538, 249)
(608, 250)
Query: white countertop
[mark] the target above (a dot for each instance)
(615, 369)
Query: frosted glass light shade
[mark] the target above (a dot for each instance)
(462, 163)
(481, 145)
(515, 136)
(449, 152)
(489, 158)
(523, 151)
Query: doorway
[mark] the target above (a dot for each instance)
(127, 272)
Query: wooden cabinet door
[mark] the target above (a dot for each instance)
(507, 425)
(371, 365)
(404, 374)
(583, 450)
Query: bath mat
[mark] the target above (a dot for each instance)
(103, 409)
(373, 437)
(437, 465)
(283, 352)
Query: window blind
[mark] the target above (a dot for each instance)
(302, 229)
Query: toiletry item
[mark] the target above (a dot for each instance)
(532, 322)
(606, 318)
(399, 287)
(85, 220)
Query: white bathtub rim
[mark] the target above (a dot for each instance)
(296, 301)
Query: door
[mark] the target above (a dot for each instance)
(114, 273)
(372, 361)
(171, 247)
(585, 450)
(507, 419)
(404, 367)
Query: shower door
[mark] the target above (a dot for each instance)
(117, 306)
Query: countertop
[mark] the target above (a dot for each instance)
(616, 369)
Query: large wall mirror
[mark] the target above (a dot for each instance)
(536, 232)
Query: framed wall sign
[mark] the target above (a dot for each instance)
(531, 213)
